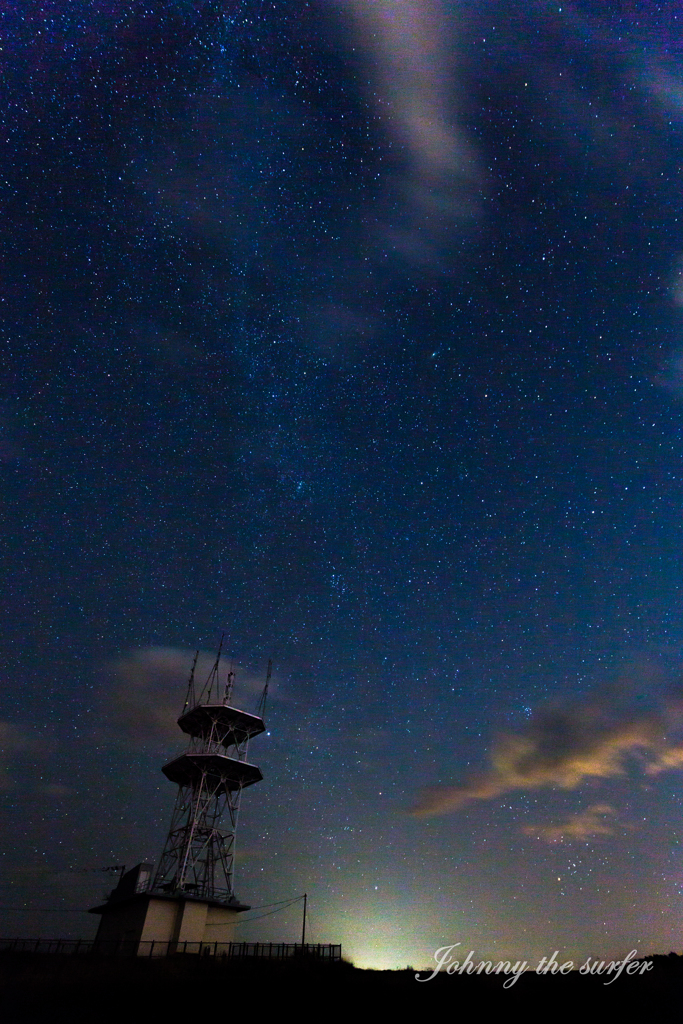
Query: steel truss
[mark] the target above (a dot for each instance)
(199, 856)
(199, 853)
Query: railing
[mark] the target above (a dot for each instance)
(154, 948)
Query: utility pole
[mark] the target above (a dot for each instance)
(303, 925)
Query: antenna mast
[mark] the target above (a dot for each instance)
(261, 707)
(190, 698)
(229, 686)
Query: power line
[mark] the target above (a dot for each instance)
(43, 910)
(278, 904)
(291, 903)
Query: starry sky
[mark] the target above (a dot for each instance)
(351, 329)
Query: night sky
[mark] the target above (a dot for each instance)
(352, 329)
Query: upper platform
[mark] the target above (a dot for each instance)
(191, 767)
(232, 725)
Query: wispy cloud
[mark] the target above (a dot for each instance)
(146, 689)
(409, 48)
(15, 741)
(564, 747)
(597, 820)
(671, 757)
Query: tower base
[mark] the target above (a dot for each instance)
(149, 924)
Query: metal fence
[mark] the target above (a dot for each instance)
(128, 947)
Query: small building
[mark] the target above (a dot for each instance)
(134, 920)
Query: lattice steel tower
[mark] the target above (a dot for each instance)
(198, 858)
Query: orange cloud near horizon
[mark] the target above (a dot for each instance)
(562, 747)
(597, 820)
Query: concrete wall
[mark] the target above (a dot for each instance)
(165, 921)
(190, 922)
(220, 925)
(160, 921)
(123, 923)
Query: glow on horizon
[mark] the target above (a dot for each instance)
(385, 941)
(371, 959)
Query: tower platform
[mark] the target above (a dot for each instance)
(227, 725)
(191, 767)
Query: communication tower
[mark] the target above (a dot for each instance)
(190, 898)
(199, 854)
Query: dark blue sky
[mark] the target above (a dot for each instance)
(352, 331)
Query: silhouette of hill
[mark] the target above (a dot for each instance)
(107, 989)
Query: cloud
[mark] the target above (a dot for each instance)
(594, 821)
(564, 747)
(146, 690)
(667, 759)
(55, 790)
(15, 741)
(409, 51)
(671, 377)
(676, 282)
(666, 88)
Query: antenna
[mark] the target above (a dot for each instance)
(261, 708)
(121, 868)
(190, 685)
(214, 671)
(213, 674)
(229, 685)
